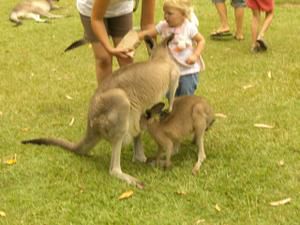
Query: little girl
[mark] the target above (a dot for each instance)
(257, 6)
(187, 45)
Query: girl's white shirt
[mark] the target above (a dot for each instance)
(115, 8)
(181, 47)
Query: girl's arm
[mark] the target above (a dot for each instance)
(200, 42)
(97, 23)
(150, 32)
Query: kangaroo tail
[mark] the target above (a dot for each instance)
(14, 18)
(76, 44)
(81, 148)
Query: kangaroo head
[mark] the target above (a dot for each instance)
(152, 115)
(156, 109)
(158, 49)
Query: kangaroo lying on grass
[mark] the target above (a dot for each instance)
(33, 9)
(116, 107)
(190, 114)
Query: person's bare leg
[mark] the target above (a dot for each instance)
(255, 26)
(239, 19)
(103, 62)
(266, 24)
(222, 12)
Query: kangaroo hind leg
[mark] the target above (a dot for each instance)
(113, 118)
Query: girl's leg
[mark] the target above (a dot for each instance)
(255, 26)
(187, 85)
(103, 62)
(222, 12)
(266, 24)
(239, 18)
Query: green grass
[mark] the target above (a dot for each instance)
(241, 174)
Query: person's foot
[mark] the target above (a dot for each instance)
(255, 49)
(220, 31)
(239, 37)
(262, 44)
(221, 35)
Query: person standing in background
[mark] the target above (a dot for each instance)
(258, 6)
(224, 30)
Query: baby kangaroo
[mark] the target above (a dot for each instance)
(33, 9)
(190, 115)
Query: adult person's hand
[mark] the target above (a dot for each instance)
(98, 26)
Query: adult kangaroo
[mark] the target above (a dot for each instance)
(117, 105)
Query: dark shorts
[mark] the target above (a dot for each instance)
(234, 3)
(115, 26)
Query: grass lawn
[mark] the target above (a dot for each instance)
(43, 90)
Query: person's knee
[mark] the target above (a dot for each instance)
(270, 13)
(218, 1)
(103, 62)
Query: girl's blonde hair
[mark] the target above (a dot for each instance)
(184, 5)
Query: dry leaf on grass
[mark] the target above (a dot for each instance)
(72, 121)
(262, 125)
(281, 163)
(269, 74)
(200, 221)
(220, 115)
(281, 202)
(181, 192)
(11, 161)
(248, 86)
(126, 195)
(69, 97)
(25, 129)
(2, 214)
(217, 207)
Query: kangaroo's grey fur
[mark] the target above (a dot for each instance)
(190, 115)
(118, 104)
(33, 9)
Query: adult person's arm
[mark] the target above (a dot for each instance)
(97, 23)
(147, 15)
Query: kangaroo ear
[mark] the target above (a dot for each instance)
(149, 42)
(157, 108)
(147, 114)
(168, 39)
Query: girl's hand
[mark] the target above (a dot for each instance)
(192, 59)
(120, 52)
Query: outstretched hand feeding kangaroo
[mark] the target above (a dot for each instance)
(117, 105)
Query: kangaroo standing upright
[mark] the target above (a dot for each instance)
(33, 9)
(117, 105)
